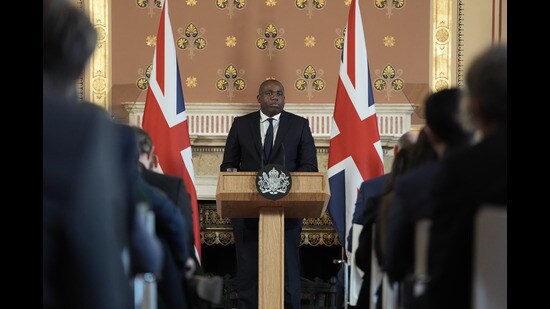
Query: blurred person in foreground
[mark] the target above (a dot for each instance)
(413, 199)
(84, 191)
(468, 179)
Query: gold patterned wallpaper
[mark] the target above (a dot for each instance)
(227, 48)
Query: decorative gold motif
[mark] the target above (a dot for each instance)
(271, 2)
(218, 231)
(391, 76)
(194, 34)
(230, 41)
(389, 41)
(151, 40)
(271, 34)
(191, 81)
(235, 4)
(442, 44)
(441, 84)
(442, 35)
(310, 6)
(191, 2)
(143, 81)
(101, 34)
(383, 4)
(347, 2)
(99, 84)
(308, 81)
(309, 41)
(230, 80)
(316, 239)
(97, 79)
(339, 42)
(217, 238)
(142, 4)
(211, 217)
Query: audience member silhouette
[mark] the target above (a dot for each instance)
(468, 179)
(201, 290)
(83, 210)
(412, 201)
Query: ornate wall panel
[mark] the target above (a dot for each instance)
(226, 48)
(97, 77)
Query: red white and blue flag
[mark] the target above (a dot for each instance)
(165, 117)
(355, 152)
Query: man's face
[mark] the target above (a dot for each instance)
(271, 98)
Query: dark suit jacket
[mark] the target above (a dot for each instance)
(412, 202)
(295, 149)
(368, 189)
(243, 149)
(468, 179)
(85, 221)
(174, 188)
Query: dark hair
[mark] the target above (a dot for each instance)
(442, 116)
(399, 167)
(420, 152)
(486, 81)
(68, 40)
(143, 141)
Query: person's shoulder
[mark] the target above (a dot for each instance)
(164, 177)
(293, 118)
(376, 180)
(418, 177)
(251, 115)
(290, 115)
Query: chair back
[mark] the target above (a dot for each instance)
(490, 286)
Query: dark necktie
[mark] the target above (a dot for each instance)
(268, 143)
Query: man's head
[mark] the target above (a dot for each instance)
(68, 41)
(487, 86)
(145, 147)
(406, 140)
(442, 124)
(271, 97)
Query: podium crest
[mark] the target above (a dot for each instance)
(273, 181)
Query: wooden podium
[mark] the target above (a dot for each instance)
(237, 197)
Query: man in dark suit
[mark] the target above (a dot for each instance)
(468, 179)
(294, 148)
(172, 186)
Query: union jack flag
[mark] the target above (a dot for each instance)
(355, 151)
(165, 117)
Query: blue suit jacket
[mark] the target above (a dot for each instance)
(368, 189)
